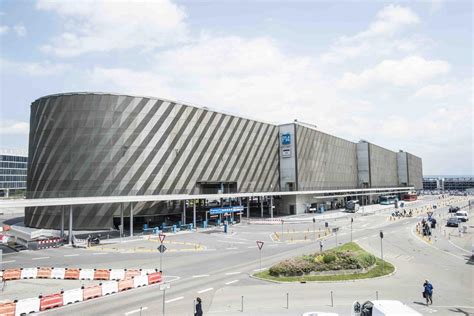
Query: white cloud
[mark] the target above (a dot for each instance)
(410, 71)
(436, 91)
(4, 29)
(45, 68)
(14, 128)
(379, 38)
(102, 26)
(20, 30)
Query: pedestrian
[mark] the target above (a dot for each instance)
(428, 292)
(198, 307)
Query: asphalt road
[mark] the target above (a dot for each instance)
(219, 274)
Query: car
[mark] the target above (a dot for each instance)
(453, 222)
(462, 215)
(454, 209)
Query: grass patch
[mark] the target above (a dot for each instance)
(353, 248)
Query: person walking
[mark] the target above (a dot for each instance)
(198, 307)
(428, 292)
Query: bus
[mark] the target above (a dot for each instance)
(388, 199)
(410, 197)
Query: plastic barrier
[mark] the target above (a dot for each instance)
(117, 274)
(72, 274)
(154, 277)
(109, 287)
(101, 274)
(43, 273)
(58, 273)
(29, 273)
(147, 271)
(27, 305)
(11, 274)
(7, 308)
(51, 301)
(140, 280)
(92, 292)
(125, 285)
(86, 274)
(130, 273)
(72, 296)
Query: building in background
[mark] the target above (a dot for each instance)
(13, 172)
(448, 183)
(100, 144)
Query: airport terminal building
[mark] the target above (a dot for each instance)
(101, 144)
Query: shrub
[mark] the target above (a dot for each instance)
(329, 257)
(366, 260)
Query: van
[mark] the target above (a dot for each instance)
(382, 308)
(462, 216)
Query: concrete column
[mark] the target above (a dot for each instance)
(62, 221)
(271, 206)
(248, 207)
(194, 214)
(70, 225)
(121, 219)
(131, 219)
(184, 212)
(261, 206)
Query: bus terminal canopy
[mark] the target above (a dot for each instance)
(180, 197)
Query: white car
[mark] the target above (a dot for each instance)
(462, 216)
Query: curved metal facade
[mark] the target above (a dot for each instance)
(85, 144)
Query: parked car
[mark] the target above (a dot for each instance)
(462, 215)
(453, 222)
(454, 209)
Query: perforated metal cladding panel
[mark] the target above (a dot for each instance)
(102, 145)
(415, 171)
(383, 167)
(324, 161)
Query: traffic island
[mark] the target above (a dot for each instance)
(344, 263)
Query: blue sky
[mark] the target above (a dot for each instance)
(398, 74)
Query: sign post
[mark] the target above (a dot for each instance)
(161, 248)
(381, 248)
(334, 230)
(163, 288)
(352, 220)
(260, 246)
(282, 222)
(314, 229)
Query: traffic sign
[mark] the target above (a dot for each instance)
(162, 237)
(164, 286)
(335, 229)
(260, 244)
(161, 248)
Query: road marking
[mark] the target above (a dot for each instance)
(250, 247)
(232, 282)
(459, 247)
(99, 253)
(174, 299)
(206, 290)
(232, 273)
(73, 255)
(201, 276)
(260, 269)
(232, 248)
(40, 258)
(136, 310)
(10, 261)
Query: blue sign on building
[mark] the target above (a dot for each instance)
(285, 139)
(223, 210)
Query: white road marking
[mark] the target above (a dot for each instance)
(459, 247)
(206, 290)
(232, 248)
(201, 276)
(9, 261)
(274, 245)
(251, 247)
(232, 282)
(232, 273)
(99, 253)
(174, 299)
(73, 255)
(40, 258)
(136, 311)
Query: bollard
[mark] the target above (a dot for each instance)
(242, 310)
(287, 301)
(332, 300)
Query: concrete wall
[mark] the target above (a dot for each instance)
(324, 161)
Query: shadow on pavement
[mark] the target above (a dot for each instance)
(458, 310)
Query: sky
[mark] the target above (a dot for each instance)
(397, 74)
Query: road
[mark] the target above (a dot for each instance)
(220, 274)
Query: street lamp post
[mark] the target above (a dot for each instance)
(352, 220)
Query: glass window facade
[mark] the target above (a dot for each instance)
(13, 171)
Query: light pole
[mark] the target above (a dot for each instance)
(381, 249)
(281, 239)
(314, 230)
(352, 220)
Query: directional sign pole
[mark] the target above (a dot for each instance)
(352, 220)
(162, 249)
(260, 246)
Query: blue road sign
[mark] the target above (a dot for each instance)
(223, 210)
